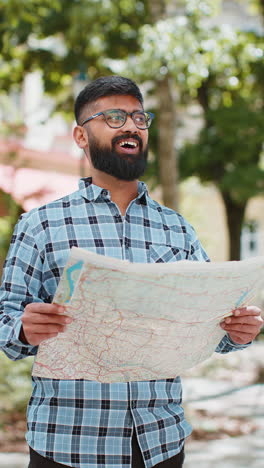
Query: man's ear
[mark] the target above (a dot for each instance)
(80, 136)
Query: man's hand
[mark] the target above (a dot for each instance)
(244, 325)
(42, 321)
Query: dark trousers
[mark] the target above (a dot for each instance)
(37, 461)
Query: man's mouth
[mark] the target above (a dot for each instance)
(128, 145)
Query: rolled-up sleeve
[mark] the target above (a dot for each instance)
(227, 345)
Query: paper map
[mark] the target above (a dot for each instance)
(135, 321)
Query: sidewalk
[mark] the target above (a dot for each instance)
(231, 452)
(14, 460)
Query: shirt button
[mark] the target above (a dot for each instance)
(104, 193)
(133, 404)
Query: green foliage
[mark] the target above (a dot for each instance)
(223, 69)
(7, 223)
(65, 38)
(4, 236)
(15, 383)
(228, 151)
(254, 6)
(220, 67)
(190, 55)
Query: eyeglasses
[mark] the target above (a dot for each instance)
(116, 118)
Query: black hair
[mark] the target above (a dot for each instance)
(106, 86)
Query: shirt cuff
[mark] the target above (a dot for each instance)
(236, 345)
(16, 333)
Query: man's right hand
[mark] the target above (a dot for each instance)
(42, 321)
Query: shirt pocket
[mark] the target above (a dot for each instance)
(160, 253)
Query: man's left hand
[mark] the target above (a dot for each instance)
(244, 325)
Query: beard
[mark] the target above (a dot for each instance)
(120, 165)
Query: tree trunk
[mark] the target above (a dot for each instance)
(166, 148)
(166, 122)
(261, 5)
(235, 214)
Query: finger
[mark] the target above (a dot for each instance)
(246, 319)
(42, 308)
(46, 318)
(44, 329)
(249, 310)
(242, 329)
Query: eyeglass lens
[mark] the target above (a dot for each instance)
(117, 118)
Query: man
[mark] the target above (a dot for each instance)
(81, 423)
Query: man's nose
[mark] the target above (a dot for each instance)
(130, 125)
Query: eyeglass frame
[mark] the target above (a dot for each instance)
(151, 115)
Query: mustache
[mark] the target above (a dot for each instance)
(127, 135)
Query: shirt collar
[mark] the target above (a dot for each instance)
(92, 192)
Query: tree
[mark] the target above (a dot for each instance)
(169, 44)
(166, 121)
(7, 222)
(64, 39)
(222, 69)
(85, 37)
(228, 151)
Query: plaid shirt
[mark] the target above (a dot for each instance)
(84, 423)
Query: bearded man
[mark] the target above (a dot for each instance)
(83, 423)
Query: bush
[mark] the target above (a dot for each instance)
(15, 383)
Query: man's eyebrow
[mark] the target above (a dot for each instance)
(123, 110)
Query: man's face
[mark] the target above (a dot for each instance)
(108, 152)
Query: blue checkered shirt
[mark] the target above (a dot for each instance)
(83, 423)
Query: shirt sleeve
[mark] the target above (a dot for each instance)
(227, 345)
(197, 252)
(21, 285)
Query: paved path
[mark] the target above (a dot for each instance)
(245, 451)
(13, 460)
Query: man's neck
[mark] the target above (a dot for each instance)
(122, 191)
